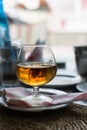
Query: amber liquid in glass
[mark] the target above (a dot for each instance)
(35, 74)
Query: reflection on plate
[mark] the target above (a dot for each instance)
(82, 87)
(37, 109)
(65, 80)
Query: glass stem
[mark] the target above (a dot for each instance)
(36, 91)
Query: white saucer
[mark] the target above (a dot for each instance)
(82, 87)
(37, 109)
(64, 81)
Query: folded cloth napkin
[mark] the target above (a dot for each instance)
(18, 96)
(15, 96)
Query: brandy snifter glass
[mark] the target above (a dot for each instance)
(35, 67)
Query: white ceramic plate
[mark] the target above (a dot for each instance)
(38, 109)
(64, 81)
(82, 87)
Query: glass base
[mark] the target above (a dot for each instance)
(38, 101)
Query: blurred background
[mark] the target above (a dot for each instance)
(61, 23)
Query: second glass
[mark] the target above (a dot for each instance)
(8, 58)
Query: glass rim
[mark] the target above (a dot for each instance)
(35, 45)
(80, 46)
(8, 47)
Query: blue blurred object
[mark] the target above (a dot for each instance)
(4, 28)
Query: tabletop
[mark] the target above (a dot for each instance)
(72, 117)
